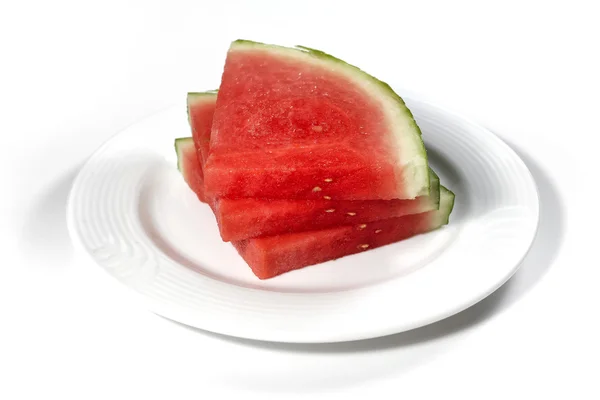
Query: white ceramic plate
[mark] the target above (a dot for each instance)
(131, 211)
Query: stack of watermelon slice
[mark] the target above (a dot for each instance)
(304, 158)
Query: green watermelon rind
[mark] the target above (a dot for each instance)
(434, 191)
(447, 199)
(417, 165)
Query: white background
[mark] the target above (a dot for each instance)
(74, 73)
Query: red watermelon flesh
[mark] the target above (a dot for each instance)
(237, 222)
(248, 217)
(270, 256)
(301, 124)
(274, 255)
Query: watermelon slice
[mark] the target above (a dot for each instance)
(270, 256)
(201, 108)
(190, 168)
(243, 218)
(296, 123)
(274, 255)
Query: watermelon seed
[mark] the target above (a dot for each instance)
(352, 214)
(330, 210)
(362, 226)
(316, 189)
(363, 246)
(327, 197)
(378, 230)
(328, 180)
(317, 128)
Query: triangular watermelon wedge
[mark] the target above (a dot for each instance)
(250, 217)
(297, 123)
(270, 256)
(201, 110)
